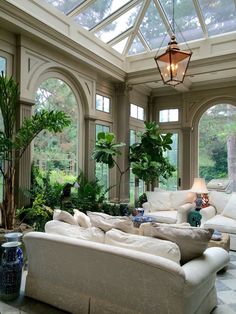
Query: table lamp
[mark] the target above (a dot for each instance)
(199, 187)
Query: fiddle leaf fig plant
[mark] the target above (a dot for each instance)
(106, 150)
(147, 157)
(14, 142)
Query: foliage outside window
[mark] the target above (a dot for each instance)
(103, 103)
(217, 143)
(101, 169)
(3, 64)
(136, 112)
(57, 152)
(169, 115)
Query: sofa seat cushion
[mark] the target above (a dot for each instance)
(144, 244)
(221, 223)
(90, 234)
(165, 216)
(107, 222)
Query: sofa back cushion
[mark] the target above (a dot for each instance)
(159, 200)
(149, 245)
(192, 241)
(230, 208)
(72, 231)
(218, 200)
(179, 198)
(107, 222)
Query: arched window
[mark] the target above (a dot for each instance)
(217, 143)
(57, 152)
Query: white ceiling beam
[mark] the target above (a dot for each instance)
(200, 17)
(136, 25)
(83, 6)
(114, 15)
(143, 41)
(163, 17)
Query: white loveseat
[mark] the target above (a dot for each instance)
(169, 206)
(83, 276)
(221, 214)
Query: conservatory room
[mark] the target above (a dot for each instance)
(118, 145)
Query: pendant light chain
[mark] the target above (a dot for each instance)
(173, 16)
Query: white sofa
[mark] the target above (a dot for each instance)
(221, 214)
(169, 206)
(82, 276)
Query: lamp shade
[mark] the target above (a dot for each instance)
(173, 63)
(199, 186)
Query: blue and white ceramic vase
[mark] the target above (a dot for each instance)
(11, 271)
(16, 237)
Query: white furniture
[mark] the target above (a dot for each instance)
(169, 206)
(221, 214)
(82, 276)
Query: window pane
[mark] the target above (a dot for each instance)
(169, 115)
(106, 104)
(3, 64)
(140, 113)
(118, 26)
(64, 5)
(219, 15)
(132, 137)
(133, 111)
(97, 12)
(120, 45)
(137, 47)
(99, 102)
(187, 24)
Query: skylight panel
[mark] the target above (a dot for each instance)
(119, 26)
(98, 11)
(136, 47)
(187, 25)
(219, 15)
(120, 45)
(153, 28)
(64, 6)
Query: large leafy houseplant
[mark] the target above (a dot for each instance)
(106, 151)
(14, 142)
(148, 160)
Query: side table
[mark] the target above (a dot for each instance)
(223, 243)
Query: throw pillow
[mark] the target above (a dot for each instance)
(64, 216)
(149, 245)
(159, 200)
(230, 208)
(90, 234)
(107, 222)
(192, 241)
(82, 219)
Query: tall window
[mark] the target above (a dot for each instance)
(172, 182)
(3, 68)
(103, 103)
(102, 170)
(3, 64)
(217, 143)
(57, 152)
(136, 112)
(134, 139)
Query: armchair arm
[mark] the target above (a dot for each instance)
(147, 207)
(182, 212)
(207, 213)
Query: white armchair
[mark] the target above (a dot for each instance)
(169, 206)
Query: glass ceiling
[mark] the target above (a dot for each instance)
(136, 26)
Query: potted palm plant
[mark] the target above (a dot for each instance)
(14, 142)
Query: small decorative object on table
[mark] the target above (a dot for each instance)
(138, 220)
(194, 218)
(216, 236)
(138, 211)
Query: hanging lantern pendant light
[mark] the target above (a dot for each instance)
(173, 63)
